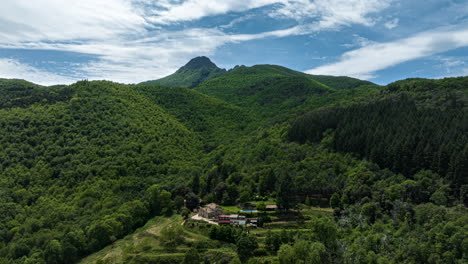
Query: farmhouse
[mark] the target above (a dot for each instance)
(232, 220)
(224, 219)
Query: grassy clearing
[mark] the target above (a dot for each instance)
(144, 239)
(230, 209)
(144, 245)
(269, 201)
(316, 211)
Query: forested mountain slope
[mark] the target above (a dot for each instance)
(391, 162)
(379, 215)
(84, 165)
(214, 120)
(74, 171)
(264, 89)
(411, 125)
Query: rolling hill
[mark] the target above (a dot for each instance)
(263, 89)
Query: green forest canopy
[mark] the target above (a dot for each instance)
(85, 164)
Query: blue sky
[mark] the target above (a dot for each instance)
(129, 41)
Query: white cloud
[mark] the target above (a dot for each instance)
(329, 13)
(127, 44)
(10, 68)
(364, 62)
(358, 41)
(293, 31)
(332, 13)
(392, 23)
(237, 21)
(132, 61)
(450, 65)
(196, 9)
(451, 62)
(57, 20)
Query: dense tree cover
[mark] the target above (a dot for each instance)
(340, 83)
(406, 233)
(429, 85)
(396, 134)
(380, 216)
(267, 165)
(97, 159)
(74, 173)
(213, 120)
(20, 93)
(245, 243)
(265, 90)
(302, 251)
(396, 212)
(192, 257)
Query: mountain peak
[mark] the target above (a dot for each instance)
(193, 73)
(201, 62)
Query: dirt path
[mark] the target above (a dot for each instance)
(197, 217)
(156, 228)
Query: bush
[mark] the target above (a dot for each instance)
(259, 252)
(156, 259)
(172, 236)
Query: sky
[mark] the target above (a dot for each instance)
(59, 42)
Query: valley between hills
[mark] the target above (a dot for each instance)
(324, 169)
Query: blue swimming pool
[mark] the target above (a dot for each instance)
(249, 211)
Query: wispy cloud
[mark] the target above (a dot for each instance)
(237, 21)
(132, 61)
(129, 45)
(391, 24)
(195, 9)
(358, 41)
(10, 68)
(329, 13)
(52, 20)
(365, 62)
(332, 13)
(451, 66)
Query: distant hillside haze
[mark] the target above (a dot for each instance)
(193, 73)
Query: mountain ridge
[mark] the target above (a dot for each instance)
(201, 69)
